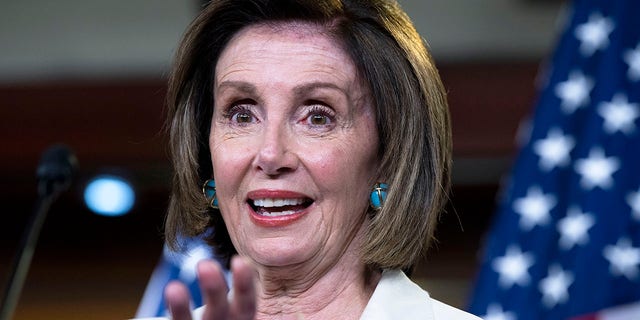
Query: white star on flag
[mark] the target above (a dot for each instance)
(555, 287)
(554, 149)
(632, 58)
(594, 34)
(633, 199)
(619, 114)
(597, 170)
(191, 259)
(574, 228)
(513, 267)
(534, 209)
(624, 259)
(574, 93)
(495, 312)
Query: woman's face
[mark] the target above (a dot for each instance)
(293, 144)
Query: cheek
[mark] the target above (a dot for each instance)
(348, 161)
(229, 159)
(343, 169)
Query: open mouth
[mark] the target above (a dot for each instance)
(274, 207)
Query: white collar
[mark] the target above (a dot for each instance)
(396, 295)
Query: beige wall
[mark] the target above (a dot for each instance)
(88, 38)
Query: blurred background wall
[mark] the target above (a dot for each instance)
(92, 74)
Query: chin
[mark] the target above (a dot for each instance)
(281, 252)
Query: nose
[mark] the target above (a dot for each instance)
(275, 155)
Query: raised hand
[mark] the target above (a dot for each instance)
(241, 306)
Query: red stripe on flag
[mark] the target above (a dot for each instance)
(623, 312)
(587, 317)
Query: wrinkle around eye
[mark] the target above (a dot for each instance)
(228, 130)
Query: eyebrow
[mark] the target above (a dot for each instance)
(241, 86)
(305, 89)
(300, 90)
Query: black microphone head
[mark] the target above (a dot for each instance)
(56, 169)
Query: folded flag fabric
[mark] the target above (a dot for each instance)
(175, 266)
(565, 240)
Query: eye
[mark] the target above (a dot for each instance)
(241, 114)
(319, 120)
(320, 115)
(242, 117)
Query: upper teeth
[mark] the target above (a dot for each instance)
(271, 202)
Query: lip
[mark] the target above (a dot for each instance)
(275, 221)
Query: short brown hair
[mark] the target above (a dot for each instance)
(411, 113)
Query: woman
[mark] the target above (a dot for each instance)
(320, 132)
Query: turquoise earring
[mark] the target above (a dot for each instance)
(209, 192)
(378, 195)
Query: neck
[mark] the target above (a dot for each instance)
(317, 289)
(336, 295)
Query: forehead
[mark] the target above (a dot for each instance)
(291, 47)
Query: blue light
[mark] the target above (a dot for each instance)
(109, 196)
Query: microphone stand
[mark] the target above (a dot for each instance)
(22, 260)
(54, 175)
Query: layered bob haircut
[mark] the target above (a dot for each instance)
(411, 113)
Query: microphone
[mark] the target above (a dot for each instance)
(54, 174)
(56, 170)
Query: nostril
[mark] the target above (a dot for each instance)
(275, 156)
(274, 172)
(276, 168)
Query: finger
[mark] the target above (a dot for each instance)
(214, 290)
(243, 304)
(177, 297)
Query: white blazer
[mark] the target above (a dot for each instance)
(397, 297)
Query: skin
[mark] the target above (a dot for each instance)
(291, 120)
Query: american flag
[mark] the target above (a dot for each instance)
(565, 241)
(175, 266)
